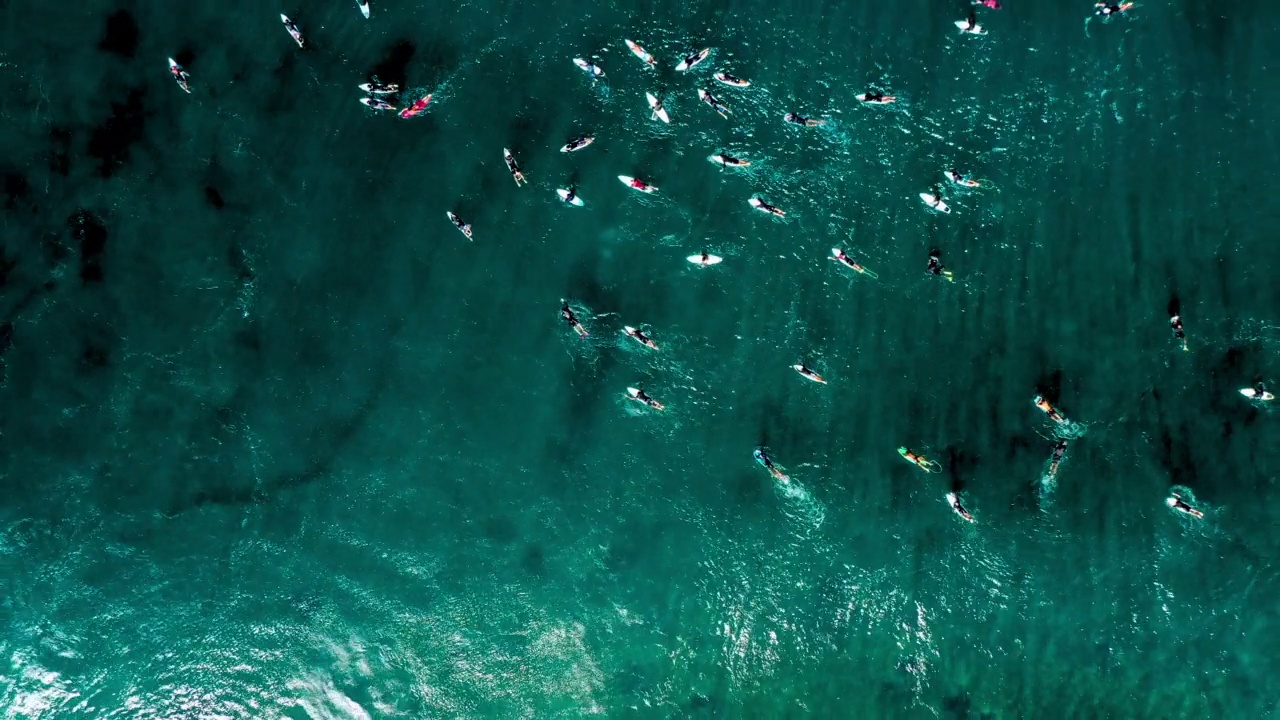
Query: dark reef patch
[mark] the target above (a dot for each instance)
(91, 235)
(111, 143)
(120, 37)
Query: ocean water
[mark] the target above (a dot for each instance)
(279, 442)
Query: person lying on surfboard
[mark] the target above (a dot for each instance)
(935, 264)
(993, 4)
(801, 120)
(1048, 409)
(954, 500)
(1059, 451)
(1175, 323)
(566, 313)
(1108, 9)
(1176, 502)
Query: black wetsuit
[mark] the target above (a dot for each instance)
(794, 118)
(1107, 10)
(568, 316)
(1175, 322)
(935, 262)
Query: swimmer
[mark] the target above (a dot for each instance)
(1059, 451)
(808, 374)
(961, 180)
(801, 120)
(1175, 323)
(919, 461)
(1049, 410)
(639, 396)
(936, 267)
(872, 97)
(762, 458)
(640, 337)
(1109, 9)
(566, 313)
(954, 502)
(180, 76)
(1176, 502)
(728, 160)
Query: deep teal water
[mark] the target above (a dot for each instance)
(279, 442)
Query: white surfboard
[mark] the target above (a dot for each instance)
(975, 30)
(564, 195)
(641, 53)
(928, 199)
(815, 377)
(693, 60)
(730, 80)
(364, 8)
(764, 207)
(379, 89)
(1253, 394)
(588, 67)
(627, 180)
(711, 260)
(292, 29)
(658, 111)
(567, 149)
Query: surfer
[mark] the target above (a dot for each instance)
(763, 206)
(1109, 9)
(465, 227)
(1175, 323)
(1049, 410)
(919, 460)
(730, 80)
(764, 459)
(180, 76)
(640, 337)
(808, 374)
(934, 200)
(801, 120)
(641, 185)
(639, 396)
(954, 501)
(1176, 502)
(971, 24)
(876, 98)
(513, 167)
(839, 256)
(959, 179)
(577, 143)
(566, 313)
(993, 4)
(1059, 451)
(570, 195)
(377, 103)
(729, 160)
(935, 264)
(704, 259)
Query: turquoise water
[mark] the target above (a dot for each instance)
(279, 442)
